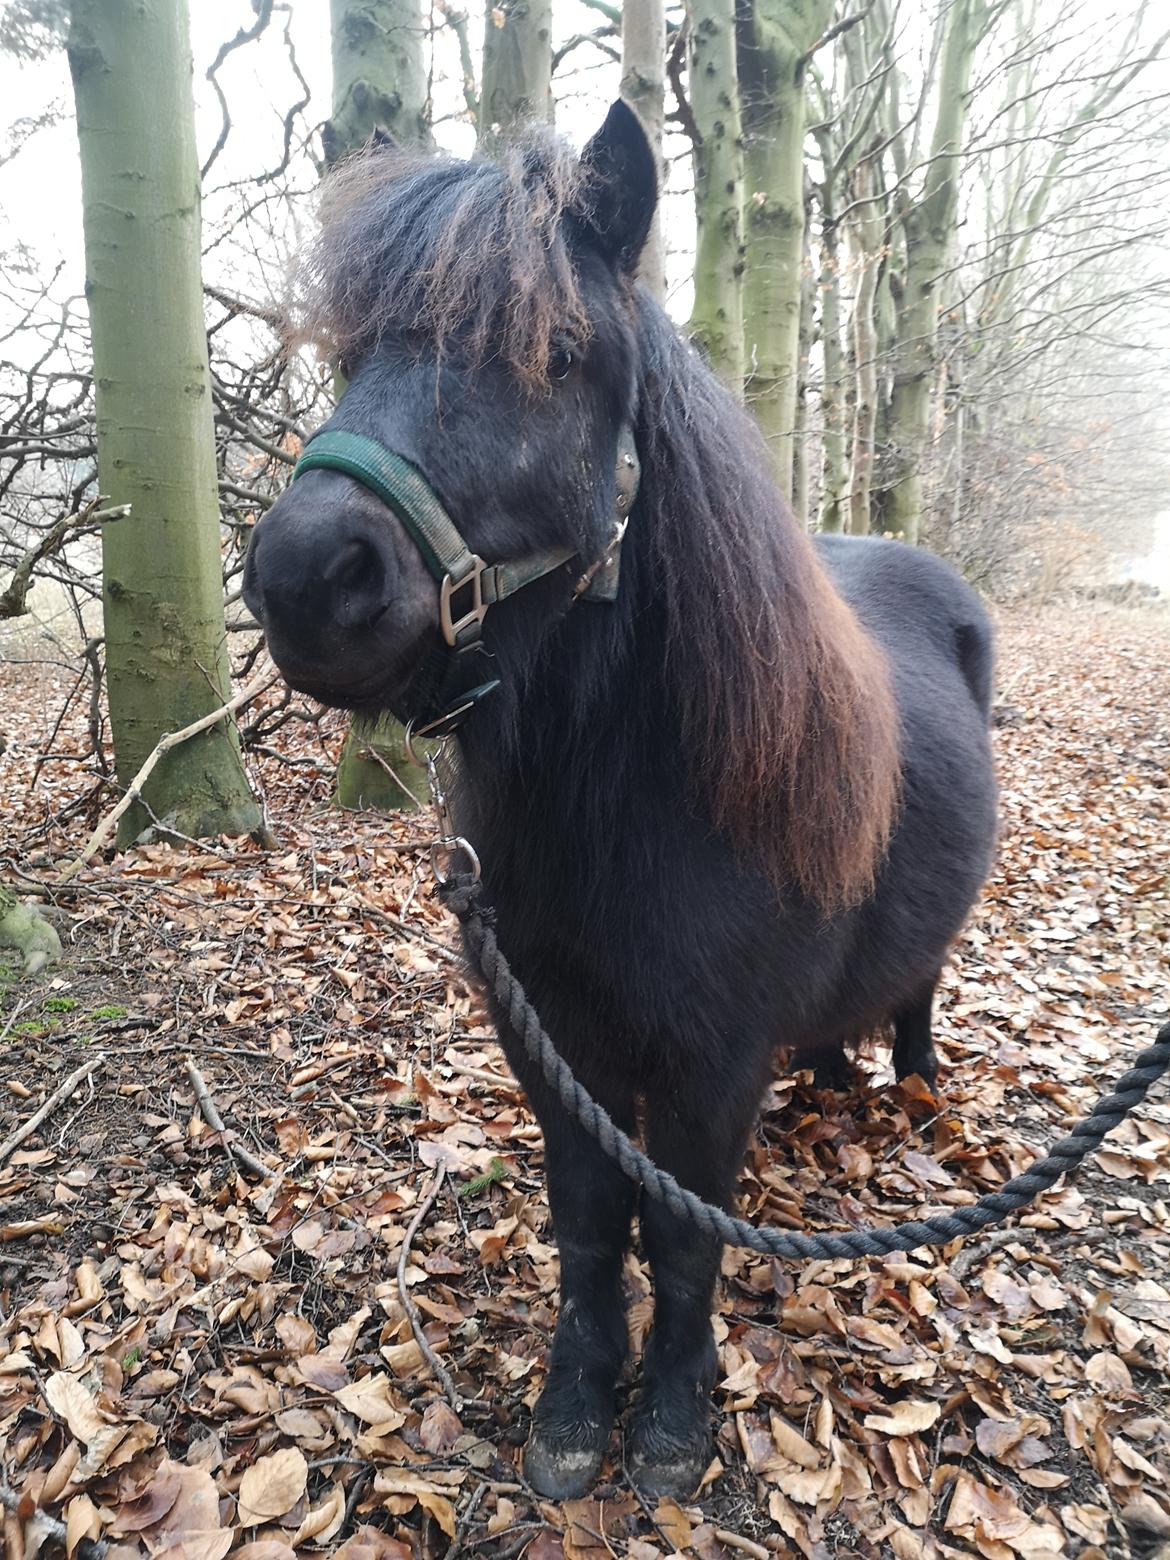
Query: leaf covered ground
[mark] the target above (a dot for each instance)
(198, 1359)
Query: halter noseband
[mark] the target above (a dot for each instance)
(403, 489)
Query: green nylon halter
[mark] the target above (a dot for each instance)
(403, 489)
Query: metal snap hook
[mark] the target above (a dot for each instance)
(444, 850)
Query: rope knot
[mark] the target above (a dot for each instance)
(461, 893)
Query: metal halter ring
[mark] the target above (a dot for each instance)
(448, 846)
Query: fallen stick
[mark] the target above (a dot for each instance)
(12, 1017)
(408, 1305)
(133, 792)
(482, 1075)
(466, 1520)
(216, 1122)
(745, 1546)
(50, 1105)
(41, 1525)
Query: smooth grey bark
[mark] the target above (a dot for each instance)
(166, 650)
(517, 66)
(644, 89)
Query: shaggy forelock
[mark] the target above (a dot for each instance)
(441, 252)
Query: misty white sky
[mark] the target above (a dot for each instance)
(40, 187)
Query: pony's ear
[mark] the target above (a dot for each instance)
(621, 187)
(382, 140)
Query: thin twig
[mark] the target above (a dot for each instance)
(216, 1122)
(408, 1305)
(483, 1075)
(647, 1508)
(172, 739)
(977, 1250)
(49, 1527)
(356, 1490)
(13, 601)
(12, 1017)
(745, 1546)
(50, 1105)
(465, 1520)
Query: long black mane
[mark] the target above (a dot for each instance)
(433, 248)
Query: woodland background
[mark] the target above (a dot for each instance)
(928, 245)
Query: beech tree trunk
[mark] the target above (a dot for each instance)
(166, 652)
(867, 235)
(800, 434)
(643, 87)
(928, 225)
(517, 66)
(717, 314)
(774, 37)
(834, 470)
(379, 83)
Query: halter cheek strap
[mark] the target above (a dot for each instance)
(467, 585)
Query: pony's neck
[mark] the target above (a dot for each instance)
(729, 664)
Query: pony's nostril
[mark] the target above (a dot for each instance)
(355, 578)
(351, 568)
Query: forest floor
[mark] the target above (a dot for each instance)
(197, 1359)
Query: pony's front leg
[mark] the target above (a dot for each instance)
(700, 1140)
(592, 1204)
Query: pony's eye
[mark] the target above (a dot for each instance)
(560, 361)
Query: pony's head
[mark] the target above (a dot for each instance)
(501, 368)
(482, 315)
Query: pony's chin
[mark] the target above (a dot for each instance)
(382, 691)
(369, 696)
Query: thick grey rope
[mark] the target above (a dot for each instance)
(461, 896)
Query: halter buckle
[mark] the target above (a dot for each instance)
(599, 565)
(453, 627)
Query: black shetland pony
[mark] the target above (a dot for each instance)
(748, 803)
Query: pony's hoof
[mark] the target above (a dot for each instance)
(561, 1472)
(677, 1475)
(662, 1463)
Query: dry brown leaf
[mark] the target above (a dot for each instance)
(152, 1504)
(440, 1508)
(323, 1520)
(905, 1418)
(272, 1486)
(67, 1397)
(370, 1543)
(440, 1428)
(297, 1335)
(792, 1445)
(674, 1522)
(266, 1549)
(503, 1516)
(373, 1400)
(81, 1521)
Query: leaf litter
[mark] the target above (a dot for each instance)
(198, 1361)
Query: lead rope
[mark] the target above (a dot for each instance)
(462, 894)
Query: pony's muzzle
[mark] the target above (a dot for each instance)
(339, 595)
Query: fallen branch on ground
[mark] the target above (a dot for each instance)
(165, 744)
(437, 1367)
(40, 1525)
(50, 1105)
(216, 1122)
